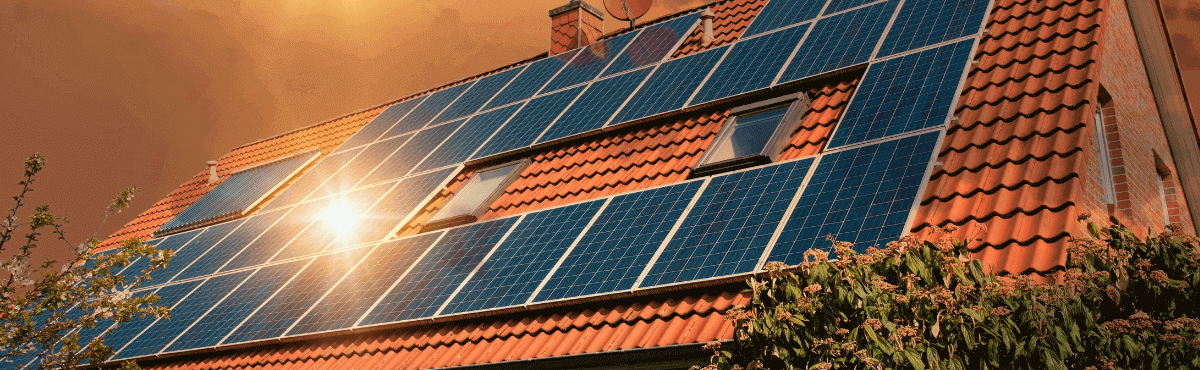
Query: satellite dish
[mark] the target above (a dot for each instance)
(628, 10)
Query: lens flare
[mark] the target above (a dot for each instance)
(340, 218)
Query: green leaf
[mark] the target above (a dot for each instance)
(914, 359)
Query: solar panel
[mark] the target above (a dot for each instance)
(751, 65)
(653, 44)
(863, 196)
(381, 123)
(140, 264)
(473, 99)
(730, 226)
(782, 13)
(168, 296)
(924, 23)
(337, 218)
(224, 251)
(411, 154)
(459, 147)
(355, 294)
(520, 264)
(422, 292)
(183, 315)
(908, 93)
(842, 5)
(425, 112)
(529, 123)
(395, 208)
(311, 180)
(615, 250)
(531, 80)
(86, 335)
(589, 62)
(840, 41)
(278, 235)
(354, 172)
(176, 243)
(238, 193)
(597, 104)
(670, 86)
(193, 250)
(235, 307)
(293, 300)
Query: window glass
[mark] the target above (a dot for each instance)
(478, 190)
(1110, 194)
(749, 135)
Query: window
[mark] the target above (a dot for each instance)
(473, 199)
(1166, 186)
(1106, 176)
(1162, 195)
(755, 135)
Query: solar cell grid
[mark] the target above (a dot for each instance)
(183, 315)
(193, 250)
(615, 250)
(782, 13)
(168, 296)
(235, 307)
(908, 93)
(394, 208)
(862, 196)
(337, 218)
(731, 224)
(459, 146)
(176, 243)
(224, 251)
(670, 86)
(422, 292)
(374, 156)
(589, 62)
(529, 123)
(595, 106)
(430, 108)
(522, 262)
(531, 80)
(480, 93)
(381, 123)
(86, 335)
(652, 44)
(311, 180)
(751, 65)
(407, 158)
(840, 41)
(924, 23)
(278, 235)
(351, 298)
(295, 298)
(842, 5)
(136, 266)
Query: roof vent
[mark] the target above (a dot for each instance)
(574, 25)
(212, 172)
(707, 39)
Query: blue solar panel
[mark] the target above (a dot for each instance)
(237, 193)
(381, 123)
(616, 249)
(782, 13)
(168, 296)
(730, 226)
(670, 86)
(294, 299)
(411, 154)
(278, 235)
(235, 307)
(311, 180)
(86, 335)
(908, 93)
(193, 250)
(176, 243)
(862, 195)
(182, 315)
(529, 123)
(371, 158)
(841, 5)
(597, 104)
(394, 208)
(473, 99)
(840, 41)
(467, 140)
(531, 80)
(325, 229)
(224, 251)
(425, 113)
(924, 23)
(751, 65)
(652, 44)
(136, 266)
(519, 265)
(422, 292)
(589, 62)
(348, 301)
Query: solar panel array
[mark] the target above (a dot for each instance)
(300, 267)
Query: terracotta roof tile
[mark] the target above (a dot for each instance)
(732, 18)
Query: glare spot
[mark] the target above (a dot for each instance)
(340, 218)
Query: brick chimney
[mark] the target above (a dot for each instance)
(574, 25)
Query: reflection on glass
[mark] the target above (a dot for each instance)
(749, 135)
(475, 192)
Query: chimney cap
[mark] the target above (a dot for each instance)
(708, 13)
(576, 4)
(211, 163)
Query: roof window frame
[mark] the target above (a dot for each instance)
(798, 105)
(437, 221)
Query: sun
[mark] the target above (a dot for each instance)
(340, 217)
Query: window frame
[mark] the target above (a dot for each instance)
(436, 223)
(798, 106)
(1107, 182)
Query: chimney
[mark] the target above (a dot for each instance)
(574, 25)
(212, 172)
(707, 39)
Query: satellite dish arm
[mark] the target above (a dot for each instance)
(629, 14)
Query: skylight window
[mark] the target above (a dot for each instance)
(473, 199)
(755, 135)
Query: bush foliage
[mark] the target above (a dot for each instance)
(1123, 302)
